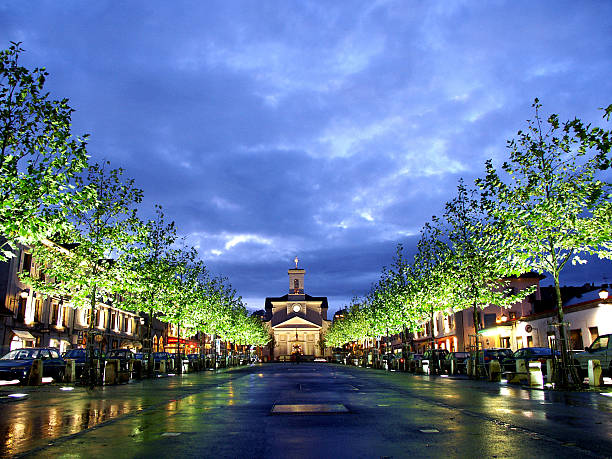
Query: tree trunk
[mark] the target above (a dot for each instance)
(90, 337)
(565, 376)
(432, 364)
(214, 346)
(476, 327)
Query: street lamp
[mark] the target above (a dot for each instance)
(25, 293)
(603, 294)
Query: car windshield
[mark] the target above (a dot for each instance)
(22, 354)
(501, 353)
(540, 351)
(600, 343)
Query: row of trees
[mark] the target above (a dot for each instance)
(81, 221)
(545, 206)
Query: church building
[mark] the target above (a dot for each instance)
(296, 320)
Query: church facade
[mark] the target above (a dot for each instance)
(297, 321)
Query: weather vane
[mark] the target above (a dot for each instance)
(296, 262)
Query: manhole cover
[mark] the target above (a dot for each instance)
(309, 408)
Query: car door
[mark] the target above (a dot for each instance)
(600, 350)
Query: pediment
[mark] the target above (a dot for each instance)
(297, 322)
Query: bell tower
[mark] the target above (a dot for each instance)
(296, 281)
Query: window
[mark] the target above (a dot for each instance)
(519, 342)
(489, 320)
(530, 341)
(21, 308)
(505, 342)
(54, 313)
(85, 316)
(27, 263)
(576, 339)
(594, 331)
(65, 316)
(38, 311)
(552, 340)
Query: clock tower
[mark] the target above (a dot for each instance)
(296, 320)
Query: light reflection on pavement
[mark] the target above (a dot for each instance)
(228, 414)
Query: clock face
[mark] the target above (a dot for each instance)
(297, 308)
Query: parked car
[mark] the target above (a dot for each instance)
(600, 349)
(18, 363)
(159, 357)
(494, 353)
(123, 355)
(435, 358)
(81, 359)
(195, 364)
(460, 362)
(529, 354)
(413, 361)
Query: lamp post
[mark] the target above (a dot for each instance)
(603, 294)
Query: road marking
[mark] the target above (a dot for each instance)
(309, 408)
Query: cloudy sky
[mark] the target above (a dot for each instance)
(323, 129)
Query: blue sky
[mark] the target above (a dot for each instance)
(328, 130)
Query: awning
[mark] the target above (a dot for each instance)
(24, 334)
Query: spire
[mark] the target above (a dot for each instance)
(296, 262)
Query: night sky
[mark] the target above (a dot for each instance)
(328, 130)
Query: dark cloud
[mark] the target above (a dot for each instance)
(329, 130)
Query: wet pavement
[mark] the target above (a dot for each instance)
(303, 411)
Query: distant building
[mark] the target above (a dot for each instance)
(297, 321)
(340, 314)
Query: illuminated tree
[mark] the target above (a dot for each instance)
(548, 204)
(148, 270)
(39, 157)
(84, 261)
(474, 265)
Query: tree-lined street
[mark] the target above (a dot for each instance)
(356, 413)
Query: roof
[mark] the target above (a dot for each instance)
(284, 298)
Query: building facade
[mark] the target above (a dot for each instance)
(296, 321)
(30, 319)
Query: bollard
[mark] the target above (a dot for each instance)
(425, 366)
(453, 366)
(470, 368)
(70, 374)
(494, 371)
(162, 366)
(125, 376)
(110, 371)
(36, 372)
(139, 370)
(535, 374)
(595, 375)
(520, 374)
